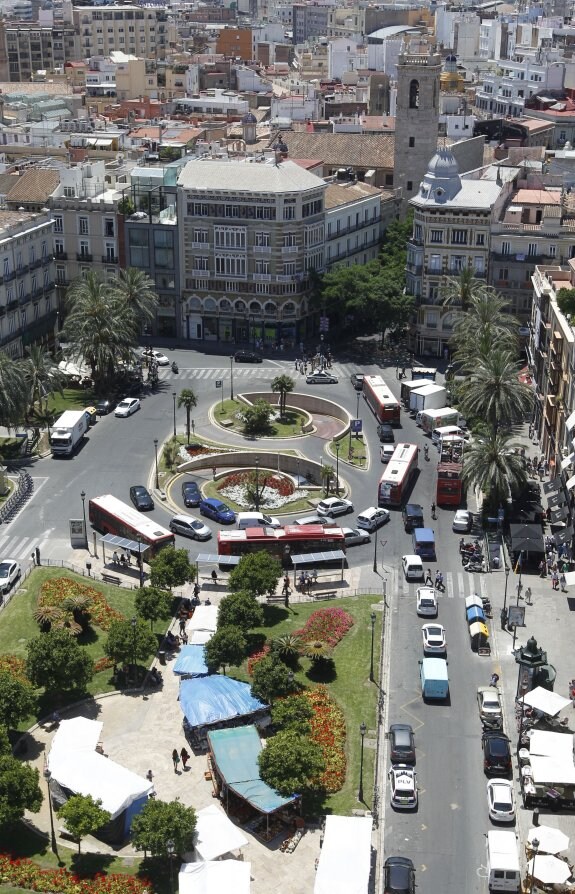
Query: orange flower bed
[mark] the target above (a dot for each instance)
(328, 731)
(57, 590)
(16, 667)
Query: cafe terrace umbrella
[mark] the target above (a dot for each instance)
(548, 870)
(551, 840)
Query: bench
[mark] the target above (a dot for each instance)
(111, 579)
(275, 599)
(325, 594)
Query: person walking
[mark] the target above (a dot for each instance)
(543, 568)
(285, 588)
(563, 582)
(175, 759)
(555, 580)
(428, 578)
(182, 626)
(185, 758)
(528, 596)
(433, 515)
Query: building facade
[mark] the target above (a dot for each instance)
(27, 47)
(139, 30)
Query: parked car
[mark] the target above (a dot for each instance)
(403, 787)
(356, 380)
(217, 511)
(150, 354)
(333, 506)
(401, 743)
(353, 536)
(103, 406)
(190, 527)
(247, 357)
(321, 377)
(434, 641)
(127, 406)
(191, 493)
(501, 800)
(426, 601)
(141, 498)
(489, 703)
(10, 571)
(386, 451)
(496, 754)
(398, 876)
(462, 522)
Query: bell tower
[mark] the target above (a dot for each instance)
(417, 116)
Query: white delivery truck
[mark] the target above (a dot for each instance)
(503, 873)
(68, 431)
(430, 419)
(428, 397)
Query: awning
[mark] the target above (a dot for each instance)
(122, 543)
(191, 663)
(214, 559)
(345, 859)
(553, 485)
(215, 834)
(547, 702)
(205, 617)
(570, 422)
(558, 514)
(571, 483)
(215, 876)
(315, 558)
(567, 461)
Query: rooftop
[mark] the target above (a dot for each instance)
(344, 193)
(34, 185)
(343, 149)
(247, 175)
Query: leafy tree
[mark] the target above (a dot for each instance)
(227, 646)
(127, 642)
(493, 466)
(153, 604)
(161, 821)
(83, 816)
(13, 391)
(19, 787)
(291, 763)
(241, 610)
(137, 292)
(188, 400)
(257, 418)
(126, 206)
(256, 573)
(285, 385)
(494, 393)
(56, 662)
(171, 568)
(272, 679)
(294, 713)
(566, 301)
(17, 699)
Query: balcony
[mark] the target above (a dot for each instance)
(47, 259)
(109, 259)
(25, 299)
(434, 271)
(262, 249)
(289, 249)
(415, 269)
(204, 245)
(37, 262)
(9, 276)
(84, 256)
(262, 277)
(204, 274)
(60, 256)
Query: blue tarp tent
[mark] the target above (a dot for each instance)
(191, 662)
(207, 700)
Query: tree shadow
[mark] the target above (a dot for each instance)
(87, 637)
(274, 614)
(157, 871)
(21, 840)
(313, 804)
(49, 702)
(322, 671)
(88, 865)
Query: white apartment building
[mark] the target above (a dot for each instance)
(344, 55)
(353, 222)
(504, 92)
(141, 30)
(212, 102)
(27, 301)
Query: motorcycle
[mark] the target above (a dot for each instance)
(426, 452)
(469, 547)
(473, 568)
(175, 367)
(492, 723)
(473, 559)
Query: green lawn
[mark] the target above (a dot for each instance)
(350, 686)
(285, 428)
(356, 457)
(71, 399)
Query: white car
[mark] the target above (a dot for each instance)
(333, 506)
(10, 571)
(489, 703)
(462, 522)
(501, 800)
(426, 602)
(353, 536)
(403, 787)
(372, 518)
(434, 639)
(321, 377)
(150, 354)
(190, 526)
(127, 406)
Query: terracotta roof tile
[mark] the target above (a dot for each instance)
(343, 149)
(35, 185)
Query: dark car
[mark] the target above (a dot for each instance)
(401, 744)
(104, 406)
(398, 876)
(247, 357)
(496, 754)
(412, 515)
(141, 498)
(356, 380)
(191, 493)
(385, 432)
(217, 511)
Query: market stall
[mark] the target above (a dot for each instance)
(345, 858)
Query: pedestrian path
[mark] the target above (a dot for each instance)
(21, 548)
(256, 371)
(458, 585)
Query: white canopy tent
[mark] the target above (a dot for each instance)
(547, 702)
(214, 877)
(216, 834)
(556, 745)
(551, 840)
(551, 758)
(345, 858)
(200, 637)
(205, 617)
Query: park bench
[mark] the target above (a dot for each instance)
(325, 594)
(111, 579)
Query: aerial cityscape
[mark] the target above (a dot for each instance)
(258, 635)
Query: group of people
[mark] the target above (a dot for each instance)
(318, 361)
(122, 559)
(437, 583)
(176, 757)
(306, 580)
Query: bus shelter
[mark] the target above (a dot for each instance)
(123, 544)
(334, 555)
(228, 562)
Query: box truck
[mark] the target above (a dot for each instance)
(434, 679)
(430, 419)
(68, 431)
(428, 397)
(407, 389)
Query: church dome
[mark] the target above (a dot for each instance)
(443, 164)
(442, 181)
(249, 118)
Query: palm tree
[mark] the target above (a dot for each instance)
(138, 291)
(485, 322)
(327, 475)
(459, 291)
(42, 377)
(284, 384)
(13, 391)
(188, 400)
(494, 394)
(99, 328)
(493, 466)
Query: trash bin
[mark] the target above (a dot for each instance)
(536, 817)
(162, 657)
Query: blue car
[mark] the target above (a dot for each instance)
(217, 511)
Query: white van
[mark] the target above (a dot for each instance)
(257, 520)
(503, 873)
(438, 433)
(412, 567)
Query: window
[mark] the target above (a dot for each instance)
(262, 240)
(436, 236)
(58, 223)
(459, 237)
(532, 250)
(109, 226)
(411, 142)
(229, 237)
(138, 247)
(60, 274)
(414, 94)
(479, 264)
(417, 232)
(505, 248)
(110, 252)
(58, 248)
(431, 319)
(69, 192)
(503, 274)
(289, 212)
(83, 226)
(435, 264)
(262, 268)
(230, 265)
(289, 240)
(289, 268)
(409, 185)
(552, 251)
(202, 263)
(200, 237)
(84, 249)
(480, 238)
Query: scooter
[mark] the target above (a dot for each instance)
(175, 367)
(469, 547)
(492, 723)
(473, 559)
(473, 567)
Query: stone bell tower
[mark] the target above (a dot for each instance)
(417, 116)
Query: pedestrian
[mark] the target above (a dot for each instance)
(115, 558)
(563, 582)
(176, 759)
(433, 510)
(185, 758)
(214, 576)
(555, 580)
(196, 591)
(530, 432)
(296, 364)
(314, 575)
(182, 626)
(542, 568)
(184, 638)
(439, 581)
(214, 470)
(308, 583)
(528, 595)
(285, 588)
(428, 578)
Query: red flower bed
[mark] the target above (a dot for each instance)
(328, 731)
(57, 590)
(255, 657)
(103, 664)
(15, 666)
(284, 486)
(327, 625)
(22, 873)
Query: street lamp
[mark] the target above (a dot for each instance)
(171, 849)
(174, 395)
(231, 376)
(134, 623)
(362, 732)
(375, 553)
(535, 846)
(140, 563)
(156, 452)
(337, 446)
(53, 842)
(257, 484)
(507, 569)
(83, 497)
(372, 619)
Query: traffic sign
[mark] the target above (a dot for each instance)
(356, 426)
(218, 383)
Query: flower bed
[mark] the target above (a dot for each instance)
(255, 657)
(58, 589)
(327, 625)
(15, 666)
(276, 490)
(328, 731)
(24, 873)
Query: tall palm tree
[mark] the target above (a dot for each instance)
(188, 400)
(493, 392)
(458, 291)
(284, 384)
(42, 377)
(138, 291)
(13, 391)
(493, 466)
(99, 327)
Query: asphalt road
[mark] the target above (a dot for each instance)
(445, 837)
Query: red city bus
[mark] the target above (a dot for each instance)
(281, 542)
(395, 481)
(110, 516)
(380, 400)
(449, 484)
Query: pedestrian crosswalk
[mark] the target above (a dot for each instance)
(256, 371)
(458, 585)
(21, 548)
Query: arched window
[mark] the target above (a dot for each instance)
(226, 305)
(414, 94)
(270, 309)
(195, 303)
(255, 307)
(240, 307)
(210, 304)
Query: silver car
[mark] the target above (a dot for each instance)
(190, 526)
(321, 377)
